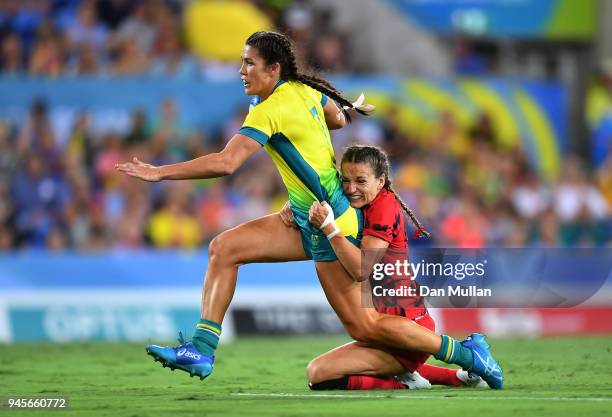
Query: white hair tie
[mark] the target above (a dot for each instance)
(360, 105)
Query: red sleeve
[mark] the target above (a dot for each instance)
(382, 219)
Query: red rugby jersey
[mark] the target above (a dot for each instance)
(384, 219)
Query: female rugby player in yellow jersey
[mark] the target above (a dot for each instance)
(291, 122)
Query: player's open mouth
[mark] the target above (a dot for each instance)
(355, 197)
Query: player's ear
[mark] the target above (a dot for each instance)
(382, 180)
(275, 67)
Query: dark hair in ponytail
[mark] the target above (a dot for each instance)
(276, 47)
(378, 160)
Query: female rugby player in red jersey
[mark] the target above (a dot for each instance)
(356, 365)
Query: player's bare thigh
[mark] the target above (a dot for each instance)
(344, 295)
(353, 358)
(265, 239)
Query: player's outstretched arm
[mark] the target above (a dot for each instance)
(348, 254)
(218, 164)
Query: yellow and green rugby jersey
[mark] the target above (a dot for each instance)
(290, 124)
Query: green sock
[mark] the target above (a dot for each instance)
(206, 337)
(451, 351)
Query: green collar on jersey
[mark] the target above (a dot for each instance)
(278, 84)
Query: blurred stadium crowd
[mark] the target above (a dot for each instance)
(63, 192)
(54, 38)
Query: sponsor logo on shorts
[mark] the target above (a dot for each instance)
(314, 240)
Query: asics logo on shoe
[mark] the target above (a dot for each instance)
(193, 355)
(188, 354)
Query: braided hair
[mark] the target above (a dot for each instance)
(378, 160)
(276, 47)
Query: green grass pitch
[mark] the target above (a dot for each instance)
(265, 377)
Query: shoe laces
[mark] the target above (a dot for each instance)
(181, 339)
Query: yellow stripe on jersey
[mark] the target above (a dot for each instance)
(348, 224)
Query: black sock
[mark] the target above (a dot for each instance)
(340, 383)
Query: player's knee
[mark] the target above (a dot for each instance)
(220, 248)
(321, 375)
(314, 372)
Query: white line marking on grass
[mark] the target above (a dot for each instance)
(415, 397)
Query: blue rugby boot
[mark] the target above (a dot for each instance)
(484, 365)
(184, 357)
